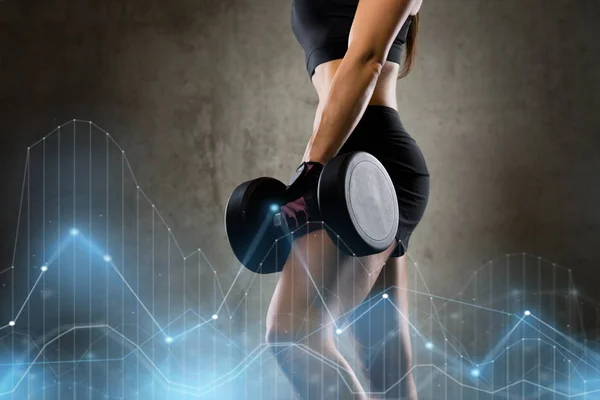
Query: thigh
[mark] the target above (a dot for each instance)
(392, 279)
(382, 333)
(319, 284)
(377, 317)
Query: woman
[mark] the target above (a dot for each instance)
(353, 55)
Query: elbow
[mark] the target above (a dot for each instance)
(371, 60)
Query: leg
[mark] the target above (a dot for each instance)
(317, 285)
(382, 335)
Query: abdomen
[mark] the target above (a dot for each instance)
(383, 95)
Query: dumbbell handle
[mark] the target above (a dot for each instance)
(278, 220)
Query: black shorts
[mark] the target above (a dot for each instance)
(381, 134)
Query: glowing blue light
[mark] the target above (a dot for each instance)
(11, 323)
(215, 316)
(74, 232)
(107, 258)
(338, 331)
(429, 345)
(475, 373)
(274, 207)
(44, 268)
(385, 296)
(527, 312)
(169, 339)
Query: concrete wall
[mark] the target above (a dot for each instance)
(205, 94)
(210, 93)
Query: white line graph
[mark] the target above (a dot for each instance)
(157, 342)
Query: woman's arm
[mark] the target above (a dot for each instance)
(376, 24)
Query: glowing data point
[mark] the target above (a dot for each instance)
(385, 296)
(11, 323)
(74, 232)
(215, 316)
(338, 331)
(527, 312)
(274, 207)
(107, 258)
(429, 345)
(169, 339)
(475, 372)
(44, 268)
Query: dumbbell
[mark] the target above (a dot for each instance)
(356, 200)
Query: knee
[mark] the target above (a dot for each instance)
(284, 344)
(287, 332)
(282, 330)
(279, 335)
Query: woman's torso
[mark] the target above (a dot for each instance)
(384, 93)
(322, 27)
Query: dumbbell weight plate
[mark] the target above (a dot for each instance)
(358, 202)
(255, 241)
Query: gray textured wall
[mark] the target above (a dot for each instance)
(205, 94)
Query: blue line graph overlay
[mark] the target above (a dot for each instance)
(102, 302)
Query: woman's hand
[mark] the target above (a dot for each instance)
(301, 194)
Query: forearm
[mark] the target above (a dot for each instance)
(348, 97)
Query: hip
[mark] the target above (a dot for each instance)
(380, 132)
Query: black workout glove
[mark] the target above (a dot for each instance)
(301, 195)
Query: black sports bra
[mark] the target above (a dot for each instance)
(322, 28)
